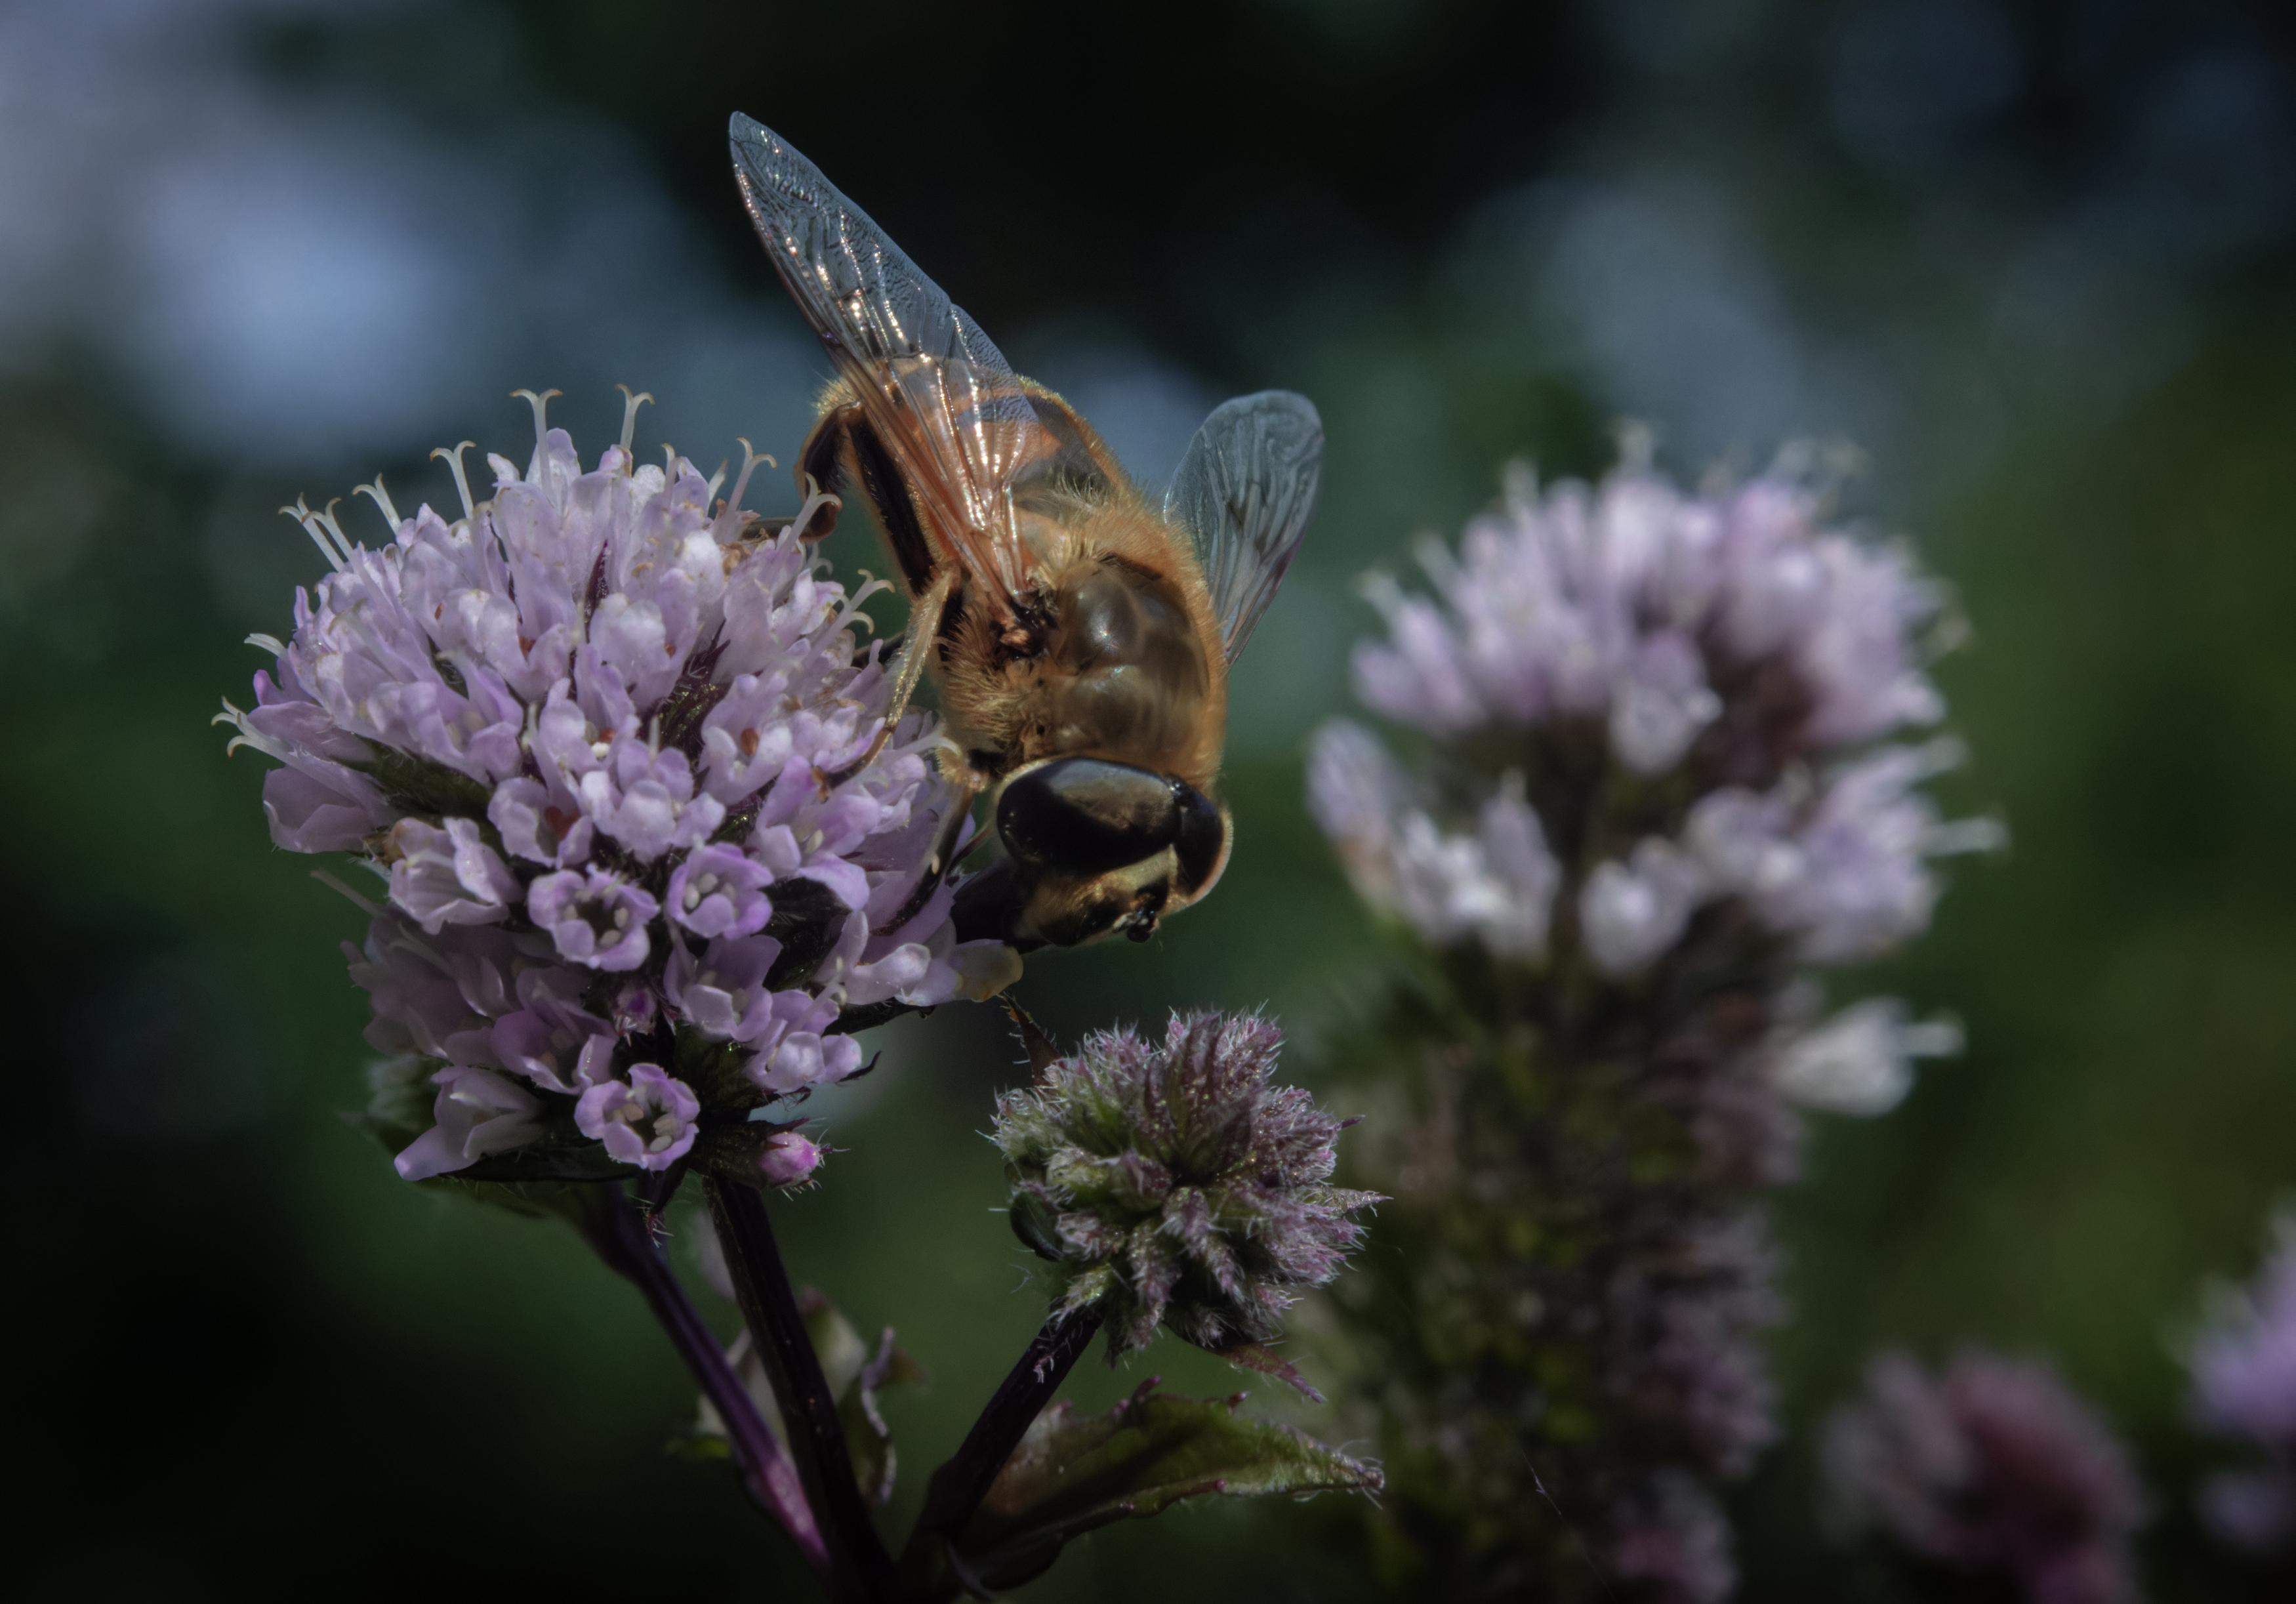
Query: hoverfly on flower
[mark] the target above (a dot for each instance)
(1080, 631)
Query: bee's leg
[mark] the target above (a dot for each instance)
(821, 456)
(917, 643)
(908, 668)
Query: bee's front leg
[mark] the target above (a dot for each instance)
(822, 456)
(908, 668)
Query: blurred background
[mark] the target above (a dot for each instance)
(2035, 259)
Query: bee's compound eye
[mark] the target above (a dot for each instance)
(1084, 815)
(1202, 842)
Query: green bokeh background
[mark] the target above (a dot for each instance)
(250, 1359)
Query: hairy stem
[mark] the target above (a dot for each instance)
(861, 1568)
(621, 1238)
(959, 1485)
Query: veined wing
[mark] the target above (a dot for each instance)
(1245, 493)
(935, 388)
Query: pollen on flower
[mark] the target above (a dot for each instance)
(568, 724)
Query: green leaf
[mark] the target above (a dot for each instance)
(852, 1374)
(1072, 1474)
(857, 1378)
(421, 787)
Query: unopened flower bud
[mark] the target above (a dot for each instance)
(1178, 1184)
(759, 1153)
(788, 1159)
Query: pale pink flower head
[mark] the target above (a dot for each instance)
(616, 748)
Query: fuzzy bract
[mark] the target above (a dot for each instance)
(1178, 1183)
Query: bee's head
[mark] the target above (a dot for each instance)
(1094, 847)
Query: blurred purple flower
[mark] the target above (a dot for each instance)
(1666, 779)
(1729, 635)
(1994, 1467)
(1633, 605)
(1496, 885)
(585, 727)
(1671, 1542)
(1631, 913)
(2243, 1367)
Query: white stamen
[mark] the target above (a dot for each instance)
(851, 612)
(541, 404)
(815, 499)
(333, 884)
(461, 483)
(381, 498)
(630, 405)
(1955, 837)
(270, 643)
(342, 542)
(621, 919)
(248, 737)
(303, 515)
(709, 490)
(730, 519)
(405, 943)
(1940, 757)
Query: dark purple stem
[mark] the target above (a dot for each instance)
(862, 1569)
(959, 1485)
(621, 1237)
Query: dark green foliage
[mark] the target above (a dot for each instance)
(1074, 1473)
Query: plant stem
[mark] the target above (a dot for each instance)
(862, 1569)
(959, 1485)
(621, 1238)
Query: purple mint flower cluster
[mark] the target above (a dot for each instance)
(1178, 1184)
(1727, 656)
(618, 757)
(2244, 1368)
(1671, 1543)
(1995, 1466)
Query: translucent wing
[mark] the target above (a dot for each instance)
(937, 392)
(1245, 492)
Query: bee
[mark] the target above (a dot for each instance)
(1079, 630)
